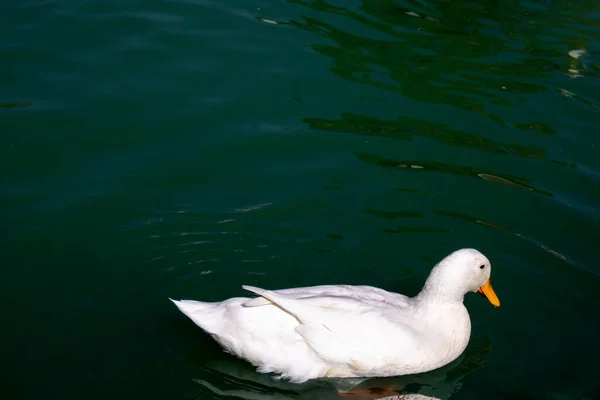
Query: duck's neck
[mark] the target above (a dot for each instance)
(438, 290)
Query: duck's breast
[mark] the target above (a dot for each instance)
(446, 333)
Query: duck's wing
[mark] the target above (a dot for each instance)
(360, 293)
(351, 331)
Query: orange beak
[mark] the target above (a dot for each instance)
(487, 291)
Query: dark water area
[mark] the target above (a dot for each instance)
(181, 149)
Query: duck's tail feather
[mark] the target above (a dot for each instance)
(206, 315)
(189, 306)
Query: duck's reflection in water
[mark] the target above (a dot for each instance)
(233, 378)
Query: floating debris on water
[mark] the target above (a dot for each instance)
(566, 93)
(498, 179)
(252, 208)
(554, 253)
(577, 53)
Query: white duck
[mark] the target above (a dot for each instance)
(344, 331)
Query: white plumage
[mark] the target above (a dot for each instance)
(350, 331)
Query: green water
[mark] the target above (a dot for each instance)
(154, 149)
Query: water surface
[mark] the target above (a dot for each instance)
(181, 149)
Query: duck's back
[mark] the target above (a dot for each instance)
(364, 294)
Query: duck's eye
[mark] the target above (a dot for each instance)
(481, 266)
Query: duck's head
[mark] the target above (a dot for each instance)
(464, 271)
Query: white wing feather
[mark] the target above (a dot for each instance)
(337, 326)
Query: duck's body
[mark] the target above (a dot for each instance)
(340, 330)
